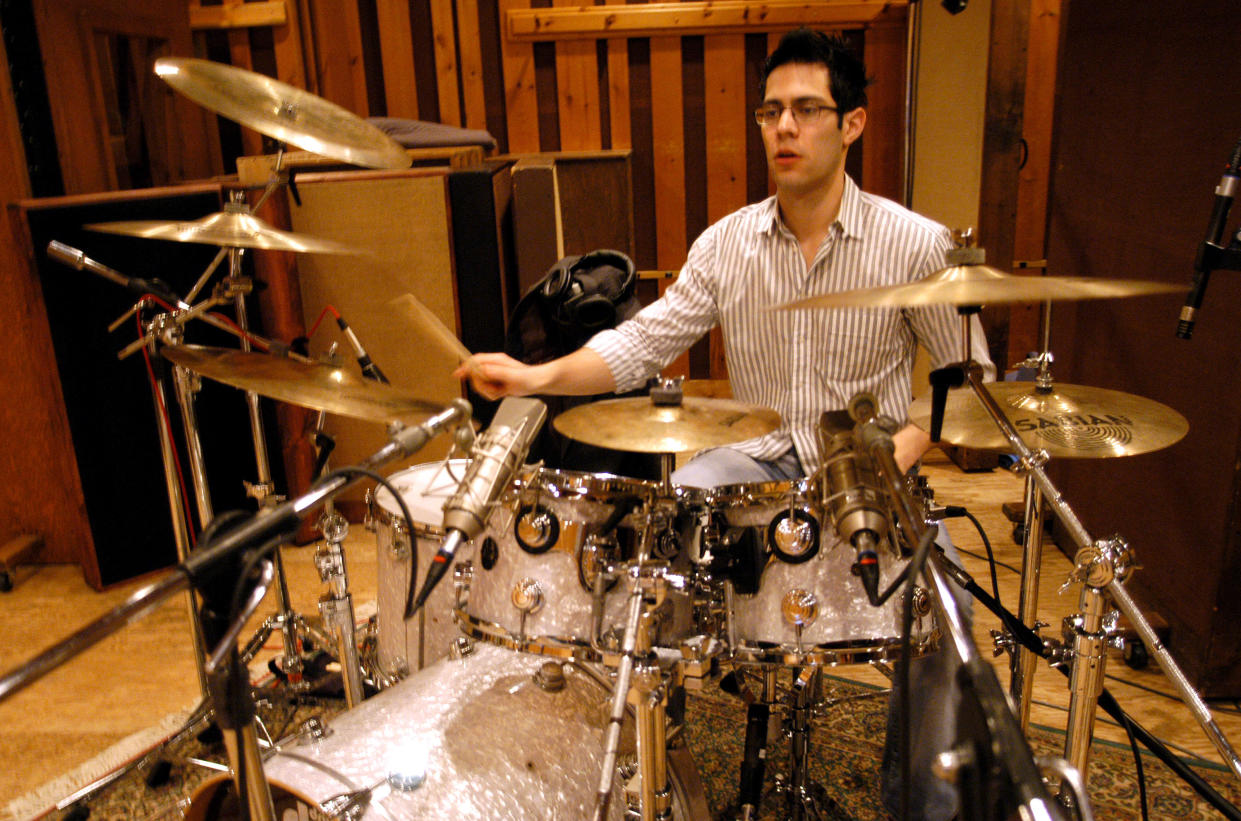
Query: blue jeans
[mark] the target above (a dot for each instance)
(934, 694)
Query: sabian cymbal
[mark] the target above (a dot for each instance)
(307, 384)
(228, 229)
(982, 285)
(282, 111)
(637, 424)
(1070, 421)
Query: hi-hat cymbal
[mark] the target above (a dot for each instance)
(637, 424)
(307, 384)
(1069, 421)
(229, 229)
(282, 111)
(982, 285)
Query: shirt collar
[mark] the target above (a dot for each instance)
(849, 219)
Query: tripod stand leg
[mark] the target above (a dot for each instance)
(1086, 681)
(1023, 662)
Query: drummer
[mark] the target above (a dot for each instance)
(820, 233)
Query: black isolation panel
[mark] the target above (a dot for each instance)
(110, 403)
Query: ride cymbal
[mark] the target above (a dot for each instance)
(282, 111)
(306, 384)
(227, 229)
(981, 285)
(637, 424)
(1070, 421)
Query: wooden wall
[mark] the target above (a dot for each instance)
(675, 85)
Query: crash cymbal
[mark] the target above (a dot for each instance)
(1069, 421)
(228, 229)
(982, 285)
(637, 424)
(307, 384)
(282, 111)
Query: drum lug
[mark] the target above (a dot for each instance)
(462, 576)
(462, 646)
(401, 547)
(368, 519)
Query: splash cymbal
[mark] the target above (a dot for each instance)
(226, 229)
(637, 424)
(282, 111)
(306, 384)
(1072, 421)
(982, 285)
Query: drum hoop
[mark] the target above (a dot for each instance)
(756, 494)
(383, 516)
(492, 633)
(833, 654)
(207, 789)
(574, 484)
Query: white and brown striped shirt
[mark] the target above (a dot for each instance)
(800, 363)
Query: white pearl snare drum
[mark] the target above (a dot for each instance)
(808, 607)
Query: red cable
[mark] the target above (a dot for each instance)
(322, 314)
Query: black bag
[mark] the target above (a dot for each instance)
(580, 296)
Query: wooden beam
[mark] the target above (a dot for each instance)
(665, 19)
(445, 40)
(1034, 177)
(241, 15)
(469, 38)
(618, 91)
(577, 84)
(520, 99)
(396, 52)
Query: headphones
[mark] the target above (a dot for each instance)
(575, 294)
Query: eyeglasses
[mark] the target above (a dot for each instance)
(804, 113)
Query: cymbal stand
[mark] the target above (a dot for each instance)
(641, 681)
(336, 606)
(263, 491)
(176, 508)
(1101, 566)
(1023, 661)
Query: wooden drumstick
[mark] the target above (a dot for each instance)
(422, 320)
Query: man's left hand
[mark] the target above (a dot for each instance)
(909, 443)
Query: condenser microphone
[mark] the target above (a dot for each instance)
(494, 460)
(855, 502)
(1212, 245)
(369, 369)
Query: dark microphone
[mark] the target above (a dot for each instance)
(74, 258)
(1212, 245)
(369, 369)
(494, 460)
(855, 502)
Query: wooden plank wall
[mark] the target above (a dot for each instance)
(681, 102)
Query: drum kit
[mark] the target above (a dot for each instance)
(545, 676)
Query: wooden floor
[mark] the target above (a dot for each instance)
(146, 672)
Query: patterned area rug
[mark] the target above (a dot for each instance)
(846, 745)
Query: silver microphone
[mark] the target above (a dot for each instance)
(494, 460)
(857, 506)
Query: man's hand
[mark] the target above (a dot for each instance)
(909, 443)
(496, 374)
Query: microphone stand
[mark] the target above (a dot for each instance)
(1101, 567)
(259, 533)
(992, 765)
